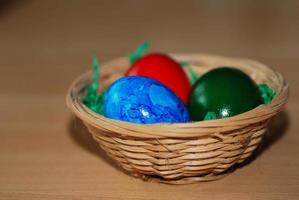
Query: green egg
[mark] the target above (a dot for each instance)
(223, 92)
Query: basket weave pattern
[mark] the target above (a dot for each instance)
(182, 153)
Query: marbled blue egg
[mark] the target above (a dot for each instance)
(143, 100)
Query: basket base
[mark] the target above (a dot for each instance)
(182, 181)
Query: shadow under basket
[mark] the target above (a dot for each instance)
(181, 153)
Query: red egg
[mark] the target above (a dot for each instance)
(164, 69)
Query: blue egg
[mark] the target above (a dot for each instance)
(143, 100)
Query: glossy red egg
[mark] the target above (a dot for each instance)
(164, 69)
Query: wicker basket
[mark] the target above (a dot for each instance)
(184, 152)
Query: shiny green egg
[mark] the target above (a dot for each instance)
(223, 92)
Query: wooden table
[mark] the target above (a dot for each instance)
(47, 154)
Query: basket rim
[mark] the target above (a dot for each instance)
(176, 130)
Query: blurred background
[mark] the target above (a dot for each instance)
(45, 44)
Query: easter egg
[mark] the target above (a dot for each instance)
(224, 92)
(164, 69)
(143, 100)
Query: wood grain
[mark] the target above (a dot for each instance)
(47, 154)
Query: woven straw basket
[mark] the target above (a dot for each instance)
(184, 152)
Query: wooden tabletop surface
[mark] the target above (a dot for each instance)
(45, 153)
